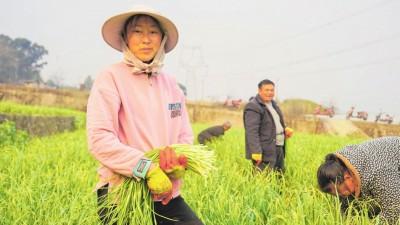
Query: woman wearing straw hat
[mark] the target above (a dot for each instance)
(134, 107)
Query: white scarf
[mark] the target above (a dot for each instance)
(138, 66)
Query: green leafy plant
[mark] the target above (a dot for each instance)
(10, 136)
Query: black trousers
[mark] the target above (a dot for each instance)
(176, 209)
(278, 164)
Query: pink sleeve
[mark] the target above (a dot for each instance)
(103, 126)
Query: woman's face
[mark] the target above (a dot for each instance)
(346, 188)
(144, 38)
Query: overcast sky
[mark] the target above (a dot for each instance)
(342, 52)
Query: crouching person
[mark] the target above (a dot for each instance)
(367, 171)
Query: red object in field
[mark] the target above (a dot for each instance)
(234, 103)
(319, 110)
(384, 118)
(360, 114)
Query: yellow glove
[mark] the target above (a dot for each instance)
(256, 157)
(158, 182)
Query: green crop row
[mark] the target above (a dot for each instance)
(52, 181)
(7, 107)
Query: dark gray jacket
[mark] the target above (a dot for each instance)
(376, 166)
(209, 133)
(260, 130)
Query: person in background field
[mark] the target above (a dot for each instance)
(135, 107)
(213, 132)
(265, 130)
(367, 171)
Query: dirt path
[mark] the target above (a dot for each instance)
(341, 127)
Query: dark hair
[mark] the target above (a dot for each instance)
(265, 82)
(133, 19)
(330, 172)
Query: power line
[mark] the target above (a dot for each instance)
(329, 23)
(350, 67)
(332, 53)
(325, 70)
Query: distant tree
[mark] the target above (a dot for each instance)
(55, 81)
(51, 83)
(20, 59)
(8, 60)
(88, 83)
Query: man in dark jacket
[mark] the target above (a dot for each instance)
(265, 130)
(367, 171)
(213, 132)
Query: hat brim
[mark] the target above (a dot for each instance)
(112, 29)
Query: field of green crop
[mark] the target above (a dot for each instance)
(7, 107)
(50, 180)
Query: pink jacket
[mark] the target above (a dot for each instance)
(128, 115)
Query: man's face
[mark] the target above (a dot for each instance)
(226, 126)
(267, 92)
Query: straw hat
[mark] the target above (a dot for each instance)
(112, 28)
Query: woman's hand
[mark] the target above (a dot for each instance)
(171, 164)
